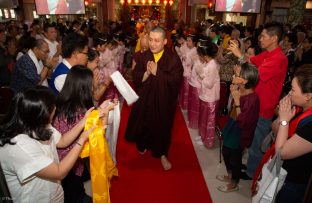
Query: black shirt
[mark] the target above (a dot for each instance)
(299, 169)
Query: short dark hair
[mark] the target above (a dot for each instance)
(179, 36)
(73, 42)
(250, 73)
(207, 49)
(35, 42)
(274, 28)
(40, 42)
(304, 78)
(193, 37)
(99, 39)
(256, 48)
(226, 29)
(161, 30)
(209, 21)
(46, 26)
(92, 54)
(292, 38)
(215, 28)
(29, 114)
(24, 42)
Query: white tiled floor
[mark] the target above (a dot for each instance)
(209, 162)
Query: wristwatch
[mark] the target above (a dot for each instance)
(284, 123)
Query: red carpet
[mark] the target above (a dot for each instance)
(142, 179)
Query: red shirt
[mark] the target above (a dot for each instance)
(272, 68)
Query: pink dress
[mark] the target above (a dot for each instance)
(187, 62)
(107, 66)
(193, 98)
(121, 51)
(209, 96)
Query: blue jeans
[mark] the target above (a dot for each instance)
(254, 154)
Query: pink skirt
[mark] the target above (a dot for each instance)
(207, 122)
(193, 107)
(183, 96)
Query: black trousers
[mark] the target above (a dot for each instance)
(233, 161)
(74, 191)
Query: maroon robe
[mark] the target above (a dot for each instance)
(151, 118)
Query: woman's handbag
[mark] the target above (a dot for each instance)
(267, 142)
(273, 177)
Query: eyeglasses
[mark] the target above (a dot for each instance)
(45, 51)
(85, 53)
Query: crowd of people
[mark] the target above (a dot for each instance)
(266, 71)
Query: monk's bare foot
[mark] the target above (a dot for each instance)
(143, 152)
(165, 163)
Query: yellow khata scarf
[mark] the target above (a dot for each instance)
(158, 56)
(102, 167)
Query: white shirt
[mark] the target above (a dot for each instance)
(60, 80)
(19, 55)
(53, 49)
(20, 163)
(39, 66)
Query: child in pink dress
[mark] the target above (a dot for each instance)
(209, 93)
(193, 98)
(188, 61)
(181, 47)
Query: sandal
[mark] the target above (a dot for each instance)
(223, 178)
(224, 188)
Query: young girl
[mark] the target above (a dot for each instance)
(105, 62)
(238, 132)
(209, 93)
(181, 46)
(28, 144)
(188, 61)
(107, 66)
(120, 38)
(194, 87)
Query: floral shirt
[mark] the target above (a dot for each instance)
(61, 124)
(226, 67)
